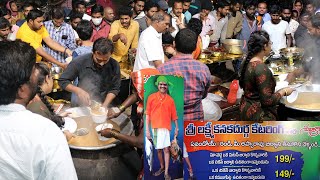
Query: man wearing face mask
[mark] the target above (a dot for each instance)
(125, 34)
(98, 74)
(100, 28)
(60, 32)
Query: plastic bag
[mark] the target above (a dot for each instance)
(215, 97)
(211, 109)
(149, 152)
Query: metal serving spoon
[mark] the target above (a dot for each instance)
(81, 132)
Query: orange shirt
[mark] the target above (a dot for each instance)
(259, 19)
(161, 111)
(197, 51)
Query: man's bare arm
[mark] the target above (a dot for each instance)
(49, 58)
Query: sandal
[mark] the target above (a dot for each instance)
(191, 178)
(167, 177)
(160, 171)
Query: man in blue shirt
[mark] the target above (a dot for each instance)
(262, 15)
(62, 33)
(249, 23)
(27, 7)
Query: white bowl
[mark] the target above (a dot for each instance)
(281, 84)
(68, 59)
(69, 124)
(102, 127)
(99, 118)
(292, 97)
(282, 77)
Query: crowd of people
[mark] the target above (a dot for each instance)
(167, 37)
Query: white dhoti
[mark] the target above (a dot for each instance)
(161, 138)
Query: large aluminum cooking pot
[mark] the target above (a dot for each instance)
(233, 46)
(308, 98)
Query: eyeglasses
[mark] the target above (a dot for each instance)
(162, 84)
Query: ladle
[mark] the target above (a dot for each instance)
(81, 132)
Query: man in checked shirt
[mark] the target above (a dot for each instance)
(62, 33)
(197, 77)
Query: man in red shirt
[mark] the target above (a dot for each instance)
(100, 28)
(160, 111)
(105, 3)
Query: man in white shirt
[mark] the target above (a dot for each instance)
(186, 13)
(207, 19)
(32, 147)
(138, 7)
(221, 21)
(80, 6)
(177, 21)
(150, 52)
(278, 30)
(293, 24)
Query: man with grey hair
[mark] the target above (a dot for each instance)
(150, 52)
